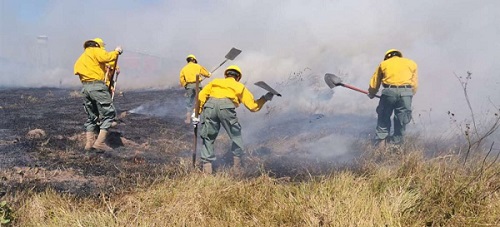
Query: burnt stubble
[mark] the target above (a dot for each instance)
(57, 160)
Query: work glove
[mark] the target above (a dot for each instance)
(195, 120)
(371, 96)
(268, 96)
(117, 71)
(119, 49)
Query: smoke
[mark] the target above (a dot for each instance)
(278, 39)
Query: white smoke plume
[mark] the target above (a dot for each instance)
(278, 38)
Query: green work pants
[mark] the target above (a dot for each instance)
(397, 101)
(98, 106)
(217, 112)
(190, 96)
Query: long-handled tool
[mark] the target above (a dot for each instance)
(114, 81)
(196, 111)
(266, 87)
(231, 55)
(333, 81)
(114, 87)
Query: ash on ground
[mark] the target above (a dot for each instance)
(42, 139)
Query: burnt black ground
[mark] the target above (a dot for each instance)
(153, 139)
(58, 160)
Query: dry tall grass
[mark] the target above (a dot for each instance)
(387, 190)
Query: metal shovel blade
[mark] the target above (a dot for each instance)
(233, 53)
(332, 80)
(266, 87)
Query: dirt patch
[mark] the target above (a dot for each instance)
(36, 134)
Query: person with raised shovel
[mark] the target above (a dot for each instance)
(398, 76)
(188, 81)
(90, 67)
(218, 101)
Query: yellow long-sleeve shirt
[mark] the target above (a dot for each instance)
(90, 66)
(395, 71)
(188, 73)
(110, 65)
(231, 89)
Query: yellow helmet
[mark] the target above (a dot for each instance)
(100, 42)
(233, 70)
(391, 53)
(191, 58)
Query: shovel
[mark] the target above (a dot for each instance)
(196, 108)
(115, 81)
(333, 81)
(231, 55)
(266, 87)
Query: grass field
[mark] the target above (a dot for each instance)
(385, 189)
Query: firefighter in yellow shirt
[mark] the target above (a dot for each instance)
(188, 81)
(90, 67)
(218, 101)
(398, 76)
